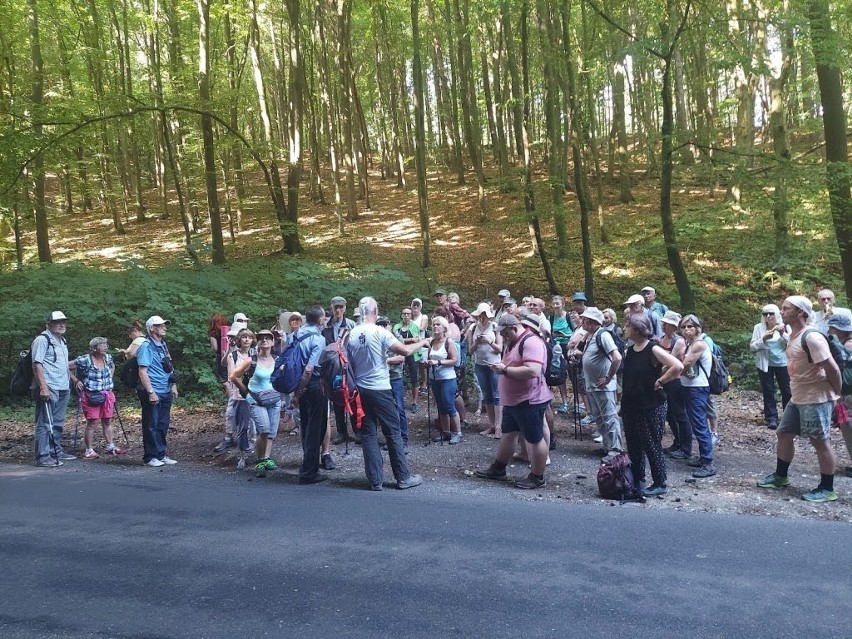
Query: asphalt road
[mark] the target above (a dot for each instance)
(127, 552)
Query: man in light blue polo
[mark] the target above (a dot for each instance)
(50, 390)
(156, 391)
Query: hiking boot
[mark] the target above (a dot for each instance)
(327, 462)
(588, 420)
(63, 456)
(598, 439)
(492, 472)
(48, 462)
(707, 470)
(411, 482)
(772, 423)
(655, 490)
(819, 495)
(694, 462)
(679, 454)
(225, 444)
(531, 482)
(260, 468)
(773, 481)
(316, 479)
(455, 438)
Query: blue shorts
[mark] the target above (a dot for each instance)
(527, 419)
(445, 396)
(808, 420)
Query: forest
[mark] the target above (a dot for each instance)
(212, 114)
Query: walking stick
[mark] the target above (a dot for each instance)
(121, 425)
(50, 438)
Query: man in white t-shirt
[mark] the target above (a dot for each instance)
(815, 384)
(367, 350)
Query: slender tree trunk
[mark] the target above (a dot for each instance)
(37, 97)
(203, 7)
(344, 26)
(824, 42)
(291, 234)
(235, 154)
(329, 109)
(420, 138)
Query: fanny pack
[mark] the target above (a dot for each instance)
(266, 398)
(95, 398)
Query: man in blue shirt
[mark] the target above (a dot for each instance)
(313, 406)
(156, 390)
(50, 390)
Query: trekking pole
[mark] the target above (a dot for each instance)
(575, 380)
(428, 409)
(77, 423)
(121, 425)
(50, 438)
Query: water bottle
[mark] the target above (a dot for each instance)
(557, 357)
(337, 382)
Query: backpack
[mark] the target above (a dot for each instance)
(129, 373)
(338, 380)
(555, 369)
(718, 378)
(620, 344)
(23, 375)
(289, 367)
(839, 354)
(615, 480)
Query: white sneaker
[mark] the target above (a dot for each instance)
(598, 439)
(588, 420)
(169, 461)
(154, 463)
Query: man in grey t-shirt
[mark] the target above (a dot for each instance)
(50, 390)
(601, 360)
(367, 350)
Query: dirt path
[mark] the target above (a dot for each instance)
(745, 454)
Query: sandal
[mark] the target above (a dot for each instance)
(487, 433)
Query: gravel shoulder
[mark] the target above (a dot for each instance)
(745, 454)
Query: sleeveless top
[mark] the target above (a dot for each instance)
(641, 371)
(671, 345)
(442, 371)
(262, 379)
(696, 375)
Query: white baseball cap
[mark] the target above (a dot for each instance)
(56, 316)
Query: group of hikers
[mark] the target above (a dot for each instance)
(625, 377)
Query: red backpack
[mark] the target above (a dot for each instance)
(615, 480)
(338, 381)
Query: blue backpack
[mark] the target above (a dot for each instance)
(289, 367)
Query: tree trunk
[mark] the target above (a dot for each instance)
(37, 97)
(291, 233)
(825, 42)
(781, 147)
(203, 7)
(687, 299)
(529, 195)
(420, 137)
(329, 110)
(344, 26)
(233, 117)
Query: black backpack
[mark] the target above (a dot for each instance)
(555, 372)
(718, 378)
(616, 481)
(23, 375)
(338, 380)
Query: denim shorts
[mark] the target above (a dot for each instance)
(527, 419)
(445, 396)
(266, 418)
(808, 420)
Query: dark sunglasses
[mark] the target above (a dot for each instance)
(768, 314)
(261, 338)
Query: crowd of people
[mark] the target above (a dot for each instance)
(625, 377)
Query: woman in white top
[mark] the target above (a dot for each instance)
(485, 344)
(697, 361)
(422, 321)
(443, 355)
(769, 345)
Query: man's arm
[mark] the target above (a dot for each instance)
(408, 349)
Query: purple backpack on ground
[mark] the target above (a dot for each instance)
(615, 480)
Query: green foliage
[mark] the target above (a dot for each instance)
(103, 304)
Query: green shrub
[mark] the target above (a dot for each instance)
(102, 303)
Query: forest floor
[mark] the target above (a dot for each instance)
(744, 455)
